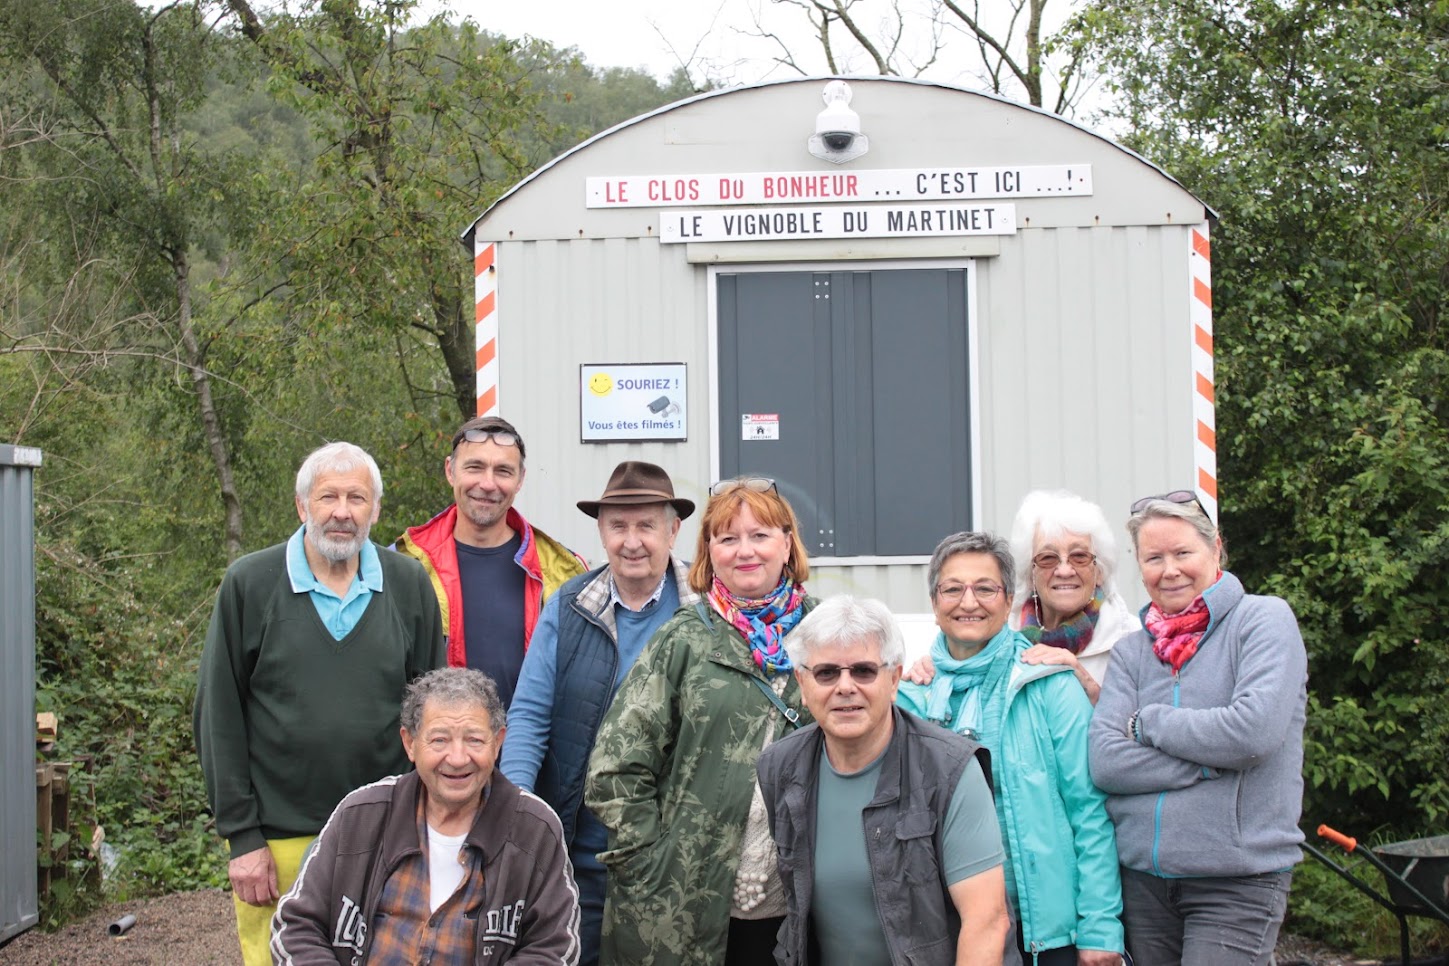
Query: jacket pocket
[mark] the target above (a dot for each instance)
(916, 845)
(1201, 831)
(932, 953)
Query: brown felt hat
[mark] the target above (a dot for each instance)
(635, 483)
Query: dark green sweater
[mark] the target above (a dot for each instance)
(289, 720)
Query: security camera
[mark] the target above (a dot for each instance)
(837, 137)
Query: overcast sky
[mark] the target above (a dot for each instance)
(720, 39)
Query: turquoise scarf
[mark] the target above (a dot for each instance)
(972, 676)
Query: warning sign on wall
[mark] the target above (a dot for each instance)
(632, 401)
(759, 426)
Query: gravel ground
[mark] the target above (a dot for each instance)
(197, 928)
(182, 929)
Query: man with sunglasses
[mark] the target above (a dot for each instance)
(888, 841)
(490, 569)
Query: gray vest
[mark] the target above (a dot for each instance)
(918, 776)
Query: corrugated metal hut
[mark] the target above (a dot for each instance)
(19, 909)
(906, 302)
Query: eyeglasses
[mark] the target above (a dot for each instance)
(500, 436)
(862, 672)
(985, 592)
(759, 484)
(1048, 560)
(1176, 496)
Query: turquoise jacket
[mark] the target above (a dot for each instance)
(1061, 853)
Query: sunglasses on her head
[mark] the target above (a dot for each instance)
(759, 484)
(1183, 497)
(861, 672)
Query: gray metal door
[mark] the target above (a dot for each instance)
(867, 373)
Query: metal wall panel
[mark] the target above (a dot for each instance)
(1081, 340)
(1083, 345)
(18, 904)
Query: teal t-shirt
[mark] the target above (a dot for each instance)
(844, 917)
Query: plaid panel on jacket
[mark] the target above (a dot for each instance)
(405, 932)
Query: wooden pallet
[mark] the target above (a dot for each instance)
(57, 839)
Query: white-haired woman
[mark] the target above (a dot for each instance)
(1066, 600)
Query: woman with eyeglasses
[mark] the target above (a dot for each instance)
(1066, 600)
(1061, 857)
(1198, 741)
(692, 874)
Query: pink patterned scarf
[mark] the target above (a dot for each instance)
(764, 621)
(1175, 636)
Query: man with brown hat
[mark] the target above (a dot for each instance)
(588, 637)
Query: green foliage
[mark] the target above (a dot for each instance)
(311, 234)
(1318, 131)
(1324, 905)
(120, 677)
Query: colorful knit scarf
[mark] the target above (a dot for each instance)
(1072, 635)
(765, 621)
(1175, 636)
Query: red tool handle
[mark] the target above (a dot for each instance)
(1345, 842)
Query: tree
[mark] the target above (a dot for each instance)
(98, 159)
(1320, 132)
(418, 127)
(1015, 53)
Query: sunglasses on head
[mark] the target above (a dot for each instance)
(1183, 497)
(500, 436)
(861, 672)
(759, 484)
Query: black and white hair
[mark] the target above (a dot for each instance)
(337, 458)
(453, 686)
(843, 620)
(971, 542)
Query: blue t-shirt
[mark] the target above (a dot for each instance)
(493, 586)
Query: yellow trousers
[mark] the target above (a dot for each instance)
(254, 923)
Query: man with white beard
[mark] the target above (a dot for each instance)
(311, 644)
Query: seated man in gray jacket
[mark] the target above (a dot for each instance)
(888, 844)
(448, 864)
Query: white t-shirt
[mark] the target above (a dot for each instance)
(445, 867)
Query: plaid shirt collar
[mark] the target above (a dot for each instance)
(405, 930)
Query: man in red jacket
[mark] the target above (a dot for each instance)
(491, 570)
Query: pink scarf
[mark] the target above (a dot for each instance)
(1175, 636)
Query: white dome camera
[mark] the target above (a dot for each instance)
(837, 137)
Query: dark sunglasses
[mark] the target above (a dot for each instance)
(500, 436)
(1183, 497)
(861, 672)
(759, 484)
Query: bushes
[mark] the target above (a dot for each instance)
(1324, 905)
(121, 679)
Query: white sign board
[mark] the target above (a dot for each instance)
(904, 185)
(876, 221)
(759, 426)
(632, 401)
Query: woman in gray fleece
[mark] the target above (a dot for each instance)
(1198, 741)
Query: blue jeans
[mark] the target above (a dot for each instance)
(590, 838)
(1220, 921)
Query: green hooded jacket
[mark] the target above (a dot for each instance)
(672, 776)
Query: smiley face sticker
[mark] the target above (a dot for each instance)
(600, 384)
